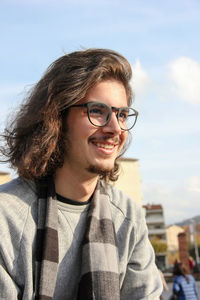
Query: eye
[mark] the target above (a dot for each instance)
(97, 109)
(123, 115)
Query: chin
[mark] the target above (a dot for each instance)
(100, 169)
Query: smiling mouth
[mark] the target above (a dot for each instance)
(105, 142)
(105, 146)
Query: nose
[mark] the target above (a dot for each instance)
(113, 125)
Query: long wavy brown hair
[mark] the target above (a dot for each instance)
(35, 137)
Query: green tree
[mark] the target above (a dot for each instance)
(159, 246)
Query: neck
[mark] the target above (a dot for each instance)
(74, 186)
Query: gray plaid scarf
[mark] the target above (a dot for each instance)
(100, 269)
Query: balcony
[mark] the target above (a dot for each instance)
(155, 220)
(156, 231)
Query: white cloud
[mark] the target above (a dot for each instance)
(185, 75)
(193, 184)
(181, 80)
(141, 81)
(180, 202)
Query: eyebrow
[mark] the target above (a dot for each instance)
(99, 103)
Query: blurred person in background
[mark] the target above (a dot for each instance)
(184, 285)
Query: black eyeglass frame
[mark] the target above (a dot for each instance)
(111, 108)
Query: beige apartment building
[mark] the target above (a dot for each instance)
(129, 179)
(4, 177)
(172, 237)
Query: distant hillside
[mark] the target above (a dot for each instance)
(188, 221)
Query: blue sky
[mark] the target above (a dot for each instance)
(161, 41)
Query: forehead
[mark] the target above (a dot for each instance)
(111, 92)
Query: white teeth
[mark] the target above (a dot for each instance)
(106, 146)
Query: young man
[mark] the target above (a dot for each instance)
(65, 232)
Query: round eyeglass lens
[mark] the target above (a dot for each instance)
(127, 118)
(98, 113)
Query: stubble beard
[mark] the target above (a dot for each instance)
(99, 170)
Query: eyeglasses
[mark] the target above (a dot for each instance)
(99, 114)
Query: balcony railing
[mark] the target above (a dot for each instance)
(156, 231)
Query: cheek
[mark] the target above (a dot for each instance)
(124, 136)
(82, 131)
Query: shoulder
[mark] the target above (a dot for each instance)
(121, 204)
(178, 280)
(191, 278)
(18, 189)
(17, 220)
(178, 277)
(16, 197)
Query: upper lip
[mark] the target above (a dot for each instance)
(105, 140)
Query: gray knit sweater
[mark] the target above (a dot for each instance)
(139, 278)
